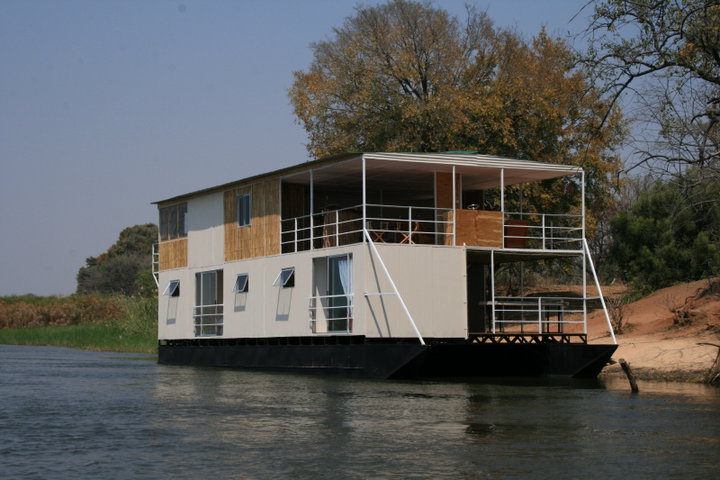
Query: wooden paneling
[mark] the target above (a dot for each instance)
(173, 254)
(262, 236)
(294, 200)
(476, 228)
(444, 189)
(342, 228)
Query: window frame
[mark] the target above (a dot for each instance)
(172, 221)
(289, 279)
(172, 289)
(243, 206)
(245, 286)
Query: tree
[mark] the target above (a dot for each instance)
(667, 52)
(663, 239)
(124, 268)
(406, 76)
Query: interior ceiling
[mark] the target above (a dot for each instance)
(404, 176)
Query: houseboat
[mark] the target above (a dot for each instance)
(382, 265)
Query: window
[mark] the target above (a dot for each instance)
(243, 210)
(173, 289)
(286, 278)
(172, 221)
(241, 283)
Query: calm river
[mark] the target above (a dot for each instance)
(73, 414)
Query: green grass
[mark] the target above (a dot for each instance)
(133, 329)
(88, 337)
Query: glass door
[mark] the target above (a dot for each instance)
(208, 312)
(339, 312)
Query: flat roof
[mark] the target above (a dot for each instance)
(516, 170)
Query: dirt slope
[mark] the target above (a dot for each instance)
(662, 331)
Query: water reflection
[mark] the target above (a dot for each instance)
(93, 415)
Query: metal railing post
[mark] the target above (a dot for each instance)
(337, 228)
(502, 205)
(539, 307)
(542, 216)
(410, 225)
(296, 235)
(492, 287)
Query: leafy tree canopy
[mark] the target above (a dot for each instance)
(406, 76)
(125, 267)
(662, 239)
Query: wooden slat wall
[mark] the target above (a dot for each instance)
(262, 236)
(477, 228)
(294, 201)
(444, 188)
(173, 254)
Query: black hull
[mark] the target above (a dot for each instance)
(397, 359)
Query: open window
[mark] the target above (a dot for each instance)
(286, 278)
(172, 289)
(241, 283)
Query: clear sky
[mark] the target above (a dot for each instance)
(107, 106)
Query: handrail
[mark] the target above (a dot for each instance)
(406, 222)
(392, 284)
(208, 321)
(543, 231)
(313, 307)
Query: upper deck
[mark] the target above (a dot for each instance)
(449, 199)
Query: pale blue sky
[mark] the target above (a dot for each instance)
(107, 106)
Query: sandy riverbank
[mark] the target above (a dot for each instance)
(656, 347)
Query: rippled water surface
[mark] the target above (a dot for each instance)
(73, 414)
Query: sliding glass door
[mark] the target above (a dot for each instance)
(339, 312)
(208, 312)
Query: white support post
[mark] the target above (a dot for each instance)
(492, 288)
(597, 284)
(410, 226)
(584, 280)
(312, 211)
(364, 195)
(539, 307)
(582, 206)
(502, 205)
(542, 216)
(337, 228)
(295, 241)
(454, 202)
(392, 284)
(584, 258)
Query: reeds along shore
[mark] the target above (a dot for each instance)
(94, 322)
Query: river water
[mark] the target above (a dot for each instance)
(73, 414)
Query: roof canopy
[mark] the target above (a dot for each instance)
(403, 171)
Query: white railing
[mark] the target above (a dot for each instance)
(544, 231)
(156, 263)
(331, 313)
(386, 224)
(537, 314)
(401, 224)
(208, 320)
(409, 225)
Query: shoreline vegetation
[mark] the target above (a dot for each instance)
(666, 336)
(115, 323)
